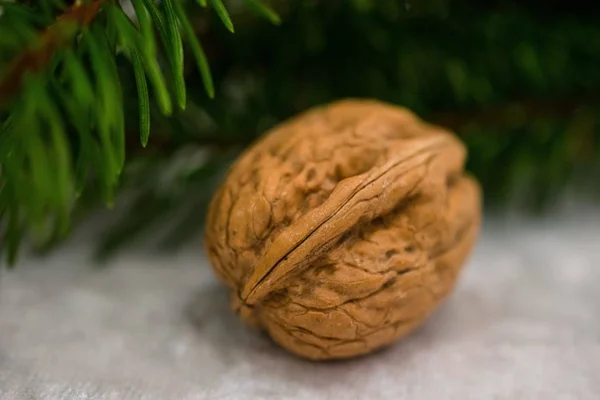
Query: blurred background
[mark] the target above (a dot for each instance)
(517, 80)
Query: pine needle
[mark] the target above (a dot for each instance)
(157, 80)
(106, 160)
(145, 25)
(114, 102)
(197, 50)
(264, 10)
(176, 47)
(157, 18)
(82, 87)
(37, 157)
(78, 115)
(223, 14)
(131, 39)
(172, 48)
(144, 101)
(60, 157)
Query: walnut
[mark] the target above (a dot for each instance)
(342, 229)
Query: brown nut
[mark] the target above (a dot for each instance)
(342, 229)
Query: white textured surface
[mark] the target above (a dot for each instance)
(524, 323)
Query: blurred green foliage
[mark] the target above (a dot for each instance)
(518, 81)
(519, 86)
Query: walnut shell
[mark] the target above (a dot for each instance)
(342, 229)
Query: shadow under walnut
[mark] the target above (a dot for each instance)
(342, 229)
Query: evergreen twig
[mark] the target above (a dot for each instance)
(37, 57)
(63, 104)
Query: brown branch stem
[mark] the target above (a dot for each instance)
(527, 109)
(55, 36)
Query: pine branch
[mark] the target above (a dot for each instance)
(50, 40)
(62, 102)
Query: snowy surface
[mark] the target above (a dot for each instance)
(524, 323)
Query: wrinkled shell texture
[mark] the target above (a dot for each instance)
(342, 229)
